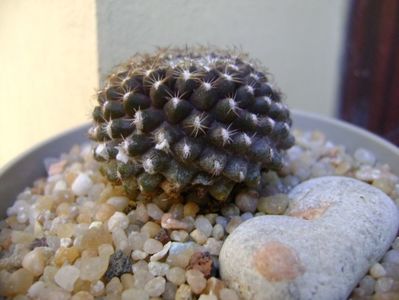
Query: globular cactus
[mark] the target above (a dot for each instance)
(189, 121)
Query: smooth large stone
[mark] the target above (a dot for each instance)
(335, 228)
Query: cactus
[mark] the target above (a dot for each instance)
(192, 121)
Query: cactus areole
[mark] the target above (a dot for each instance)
(189, 121)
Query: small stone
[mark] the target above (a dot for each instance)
(154, 211)
(127, 281)
(104, 212)
(214, 286)
(198, 236)
(228, 294)
(63, 255)
(190, 209)
(93, 268)
(35, 261)
(364, 156)
(383, 285)
(141, 277)
(367, 284)
(162, 236)
(247, 201)
(221, 221)
(118, 202)
(135, 293)
(176, 275)
(140, 265)
(66, 277)
(391, 270)
(97, 288)
(202, 262)
(392, 256)
(170, 291)
(168, 222)
(82, 295)
(273, 205)
(93, 238)
(150, 229)
(203, 224)
(233, 224)
(155, 287)
(180, 254)
(114, 286)
(179, 235)
(36, 289)
(82, 185)
(218, 232)
(377, 271)
(118, 220)
(196, 280)
(384, 184)
(152, 246)
(213, 246)
(184, 293)
(246, 216)
(19, 282)
(119, 264)
(161, 254)
(157, 268)
(230, 210)
(137, 240)
(105, 250)
(139, 255)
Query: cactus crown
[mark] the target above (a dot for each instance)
(186, 120)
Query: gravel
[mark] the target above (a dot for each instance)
(73, 235)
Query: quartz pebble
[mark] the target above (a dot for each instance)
(118, 220)
(176, 275)
(184, 293)
(66, 277)
(247, 201)
(81, 185)
(93, 268)
(158, 268)
(35, 261)
(135, 293)
(155, 287)
(152, 246)
(196, 280)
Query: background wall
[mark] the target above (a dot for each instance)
(53, 54)
(48, 74)
(299, 41)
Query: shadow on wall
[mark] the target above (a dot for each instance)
(299, 42)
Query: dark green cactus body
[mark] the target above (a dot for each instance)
(187, 122)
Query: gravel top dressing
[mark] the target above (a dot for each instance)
(73, 235)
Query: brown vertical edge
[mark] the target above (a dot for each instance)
(369, 87)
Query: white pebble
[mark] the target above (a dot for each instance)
(95, 224)
(136, 294)
(119, 202)
(196, 280)
(218, 232)
(82, 184)
(383, 285)
(208, 297)
(139, 254)
(97, 289)
(154, 211)
(161, 254)
(157, 268)
(377, 271)
(36, 289)
(364, 156)
(203, 224)
(176, 275)
(66, 277)
(179, 235)
(155, 287)
(198, 236)
(65, 242)
(118, 220)
(228, 294)
(213, 246)
(152, 246)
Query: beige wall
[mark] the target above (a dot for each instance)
(299, 41)
(48, 62)
(51, 51)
